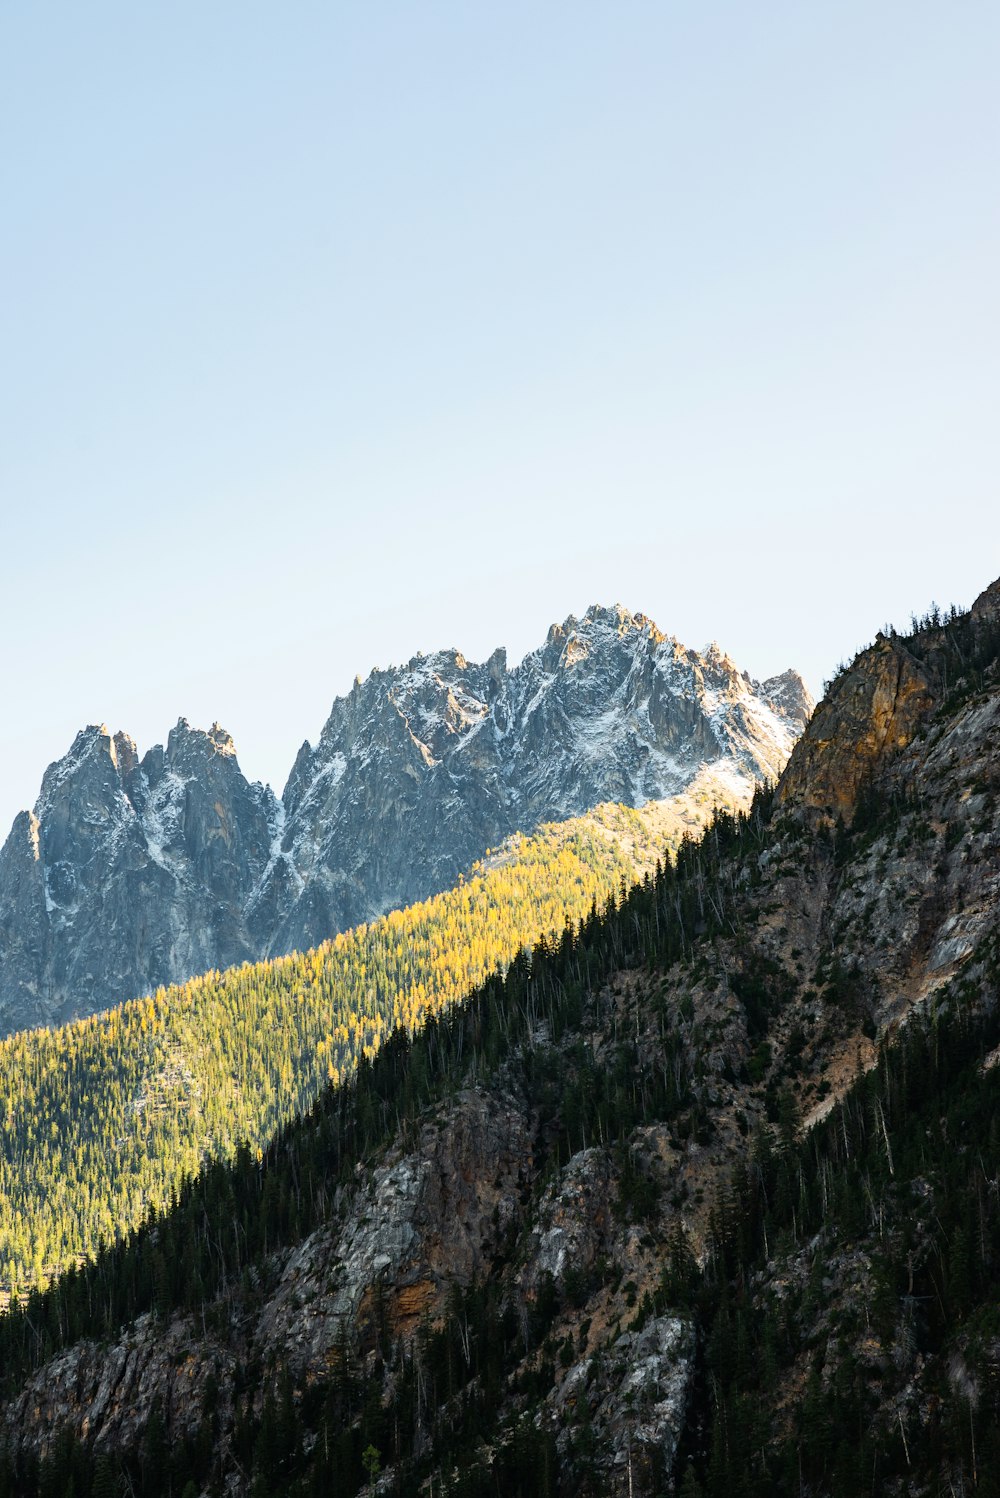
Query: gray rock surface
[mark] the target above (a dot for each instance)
(636, 1394)
(573, 1223)
(425, 1222)
(109, 1391)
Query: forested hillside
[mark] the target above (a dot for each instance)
(845, 1337)
(102, 1119)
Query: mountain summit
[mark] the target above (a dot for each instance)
(424, 766)
(131, 873)
(128, 872)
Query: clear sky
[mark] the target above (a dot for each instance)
(331, 332)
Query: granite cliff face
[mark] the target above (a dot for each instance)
(875, 710)
(133, 873)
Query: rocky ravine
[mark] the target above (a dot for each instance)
(131, 873)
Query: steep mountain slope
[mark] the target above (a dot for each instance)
(130, 874)
(104, 1117)
(571, 1238)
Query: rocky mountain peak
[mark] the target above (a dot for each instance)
(496, 666)
(129, 873)
(222, 740)
(91, 744)
(145, 871)
(83, 790)
(423, 766)
(790, 697)
(190, 748)
(602, 624)
(617, 618)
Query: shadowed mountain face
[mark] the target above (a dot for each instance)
(133, 873)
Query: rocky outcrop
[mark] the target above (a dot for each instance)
(573, 1225)
(873, 710)
(109, 1393)
(635, 1394)
(460, 1208)
(427, 1222)
(986, 609)
(131, 873)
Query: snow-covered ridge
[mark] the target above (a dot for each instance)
(442, 756)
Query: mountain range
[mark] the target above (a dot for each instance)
(135, 872)
(699, 1196)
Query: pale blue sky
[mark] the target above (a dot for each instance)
(333, 332)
